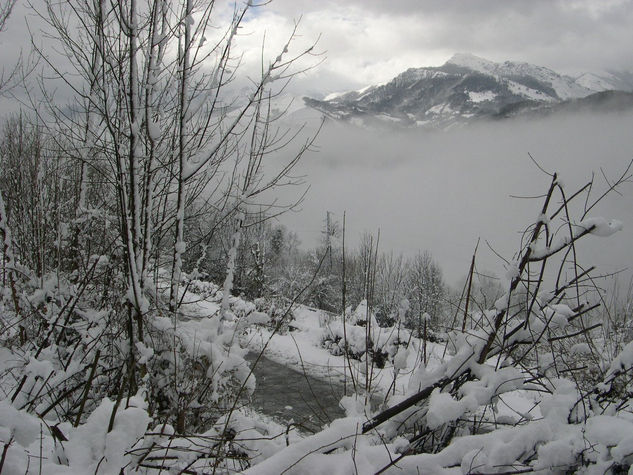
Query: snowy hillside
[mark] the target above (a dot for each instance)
(464, 89)
(563, 87)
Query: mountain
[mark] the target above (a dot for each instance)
(607, 81)
(468, 88)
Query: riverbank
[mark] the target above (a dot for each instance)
(302, 350)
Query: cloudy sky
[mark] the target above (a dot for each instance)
(369, 41)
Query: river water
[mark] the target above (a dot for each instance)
(293, 397)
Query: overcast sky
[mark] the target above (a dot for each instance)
(369, 41)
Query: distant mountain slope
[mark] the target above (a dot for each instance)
(467, 88)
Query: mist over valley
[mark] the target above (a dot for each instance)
(441, 191)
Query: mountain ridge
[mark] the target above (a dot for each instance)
(467, 88)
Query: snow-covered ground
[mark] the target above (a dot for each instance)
(513, 420)
(302, 349)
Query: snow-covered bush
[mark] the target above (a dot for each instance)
(352, 338)
(65, 368)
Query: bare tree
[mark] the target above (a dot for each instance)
(426, 289)
(159, 135)
(6, 8)
(391, 285)
(11, 77)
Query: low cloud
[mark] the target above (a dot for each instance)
(442, 191)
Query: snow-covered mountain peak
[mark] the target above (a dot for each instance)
(596, 82)
(563, 87)
(607, 81)
(470, 61)
(507, 68)
(467, 88)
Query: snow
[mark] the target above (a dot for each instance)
(521, 429)
(37, 368)
(443, 108)
(228, 281)
(400, 360)
(442, 409)
(473, 62)
(502, 302)
(597, 226)
(512, 271)
(258, 318)
(18, 431)
(481, 96)
(17, 425)
(528, 93)
(388, 118)
(543, 218)
(258, 436)
(333, 96)
(564, 87)
(413, 75)
(567, 89)
(558, 321)
(303, 348)
(341, 448)
(364, 90)
(153, 128)
(145, 352)
(622, 361)
(180, 247)
(580, 349)
(342, 433)
(92, 446)
(601, 226)
(597, 82)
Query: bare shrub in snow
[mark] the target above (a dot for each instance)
(523, 388)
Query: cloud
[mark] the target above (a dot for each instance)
(372, 41)
(444, 191)
(360, 47)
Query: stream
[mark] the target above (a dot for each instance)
(290, 396)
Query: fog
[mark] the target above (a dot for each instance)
(444, 191)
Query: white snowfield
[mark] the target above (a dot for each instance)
(481, 96)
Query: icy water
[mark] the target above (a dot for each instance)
(289, 396)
